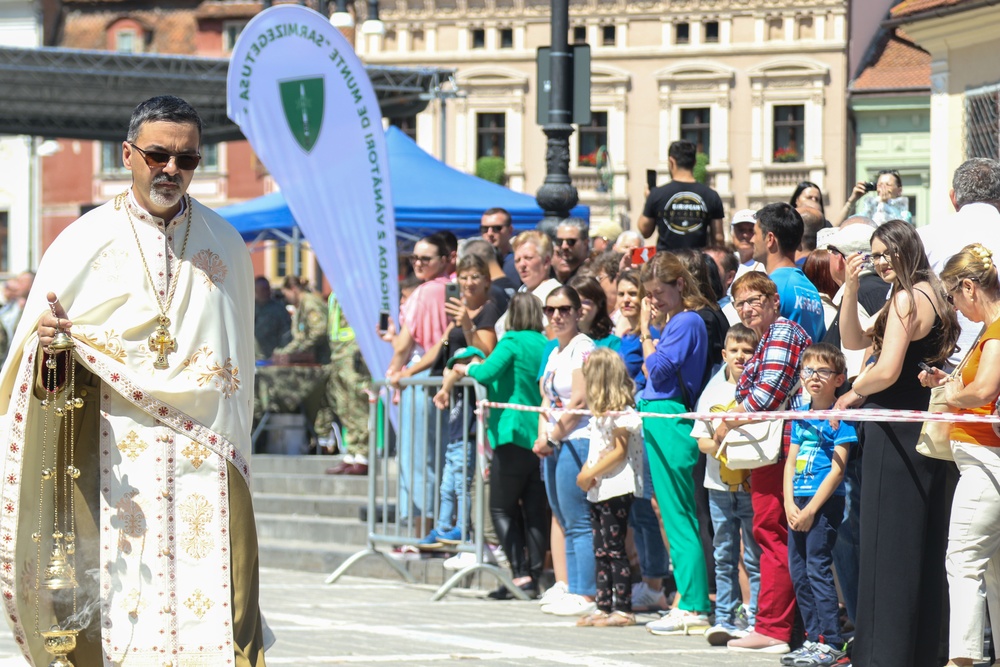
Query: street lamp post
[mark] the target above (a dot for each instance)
(557, 195)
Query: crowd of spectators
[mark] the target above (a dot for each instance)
(783, 308)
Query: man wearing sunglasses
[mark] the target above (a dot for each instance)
(497, 228)
(572, 248)
(156, 291)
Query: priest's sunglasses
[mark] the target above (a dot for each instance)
(184, 161)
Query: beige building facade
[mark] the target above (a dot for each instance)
(760, 86)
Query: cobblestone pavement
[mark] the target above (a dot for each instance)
(378, 622)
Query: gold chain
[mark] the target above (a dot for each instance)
(120, 201)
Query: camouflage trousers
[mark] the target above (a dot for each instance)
(344, 399)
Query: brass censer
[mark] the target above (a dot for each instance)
(58, 479)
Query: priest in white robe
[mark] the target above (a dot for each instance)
(156, 291)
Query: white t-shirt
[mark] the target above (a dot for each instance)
(719, 396)
(557, 379)
(627, 476)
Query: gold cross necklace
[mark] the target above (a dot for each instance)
(160, 340)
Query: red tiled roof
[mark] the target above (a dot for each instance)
(897, 63)
(909, 7)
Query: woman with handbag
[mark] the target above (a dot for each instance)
(971, 283)
(768, 383)
(905, 497)
(675, 365)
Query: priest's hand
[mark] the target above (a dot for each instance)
(52, 321)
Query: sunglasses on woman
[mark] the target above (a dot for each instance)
(552, 310)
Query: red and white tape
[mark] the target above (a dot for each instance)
(861, 415)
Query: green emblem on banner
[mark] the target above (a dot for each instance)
(303, 103)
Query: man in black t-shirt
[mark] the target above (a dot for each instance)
(687, 214)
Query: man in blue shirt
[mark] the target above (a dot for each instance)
(776, 236)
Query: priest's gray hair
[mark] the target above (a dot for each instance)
(977, 181)
(162, 108)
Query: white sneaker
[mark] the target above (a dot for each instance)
(679, 622)
(459, 561)
(720, 634)
(645, 598)
(570, 605)
(553, 593)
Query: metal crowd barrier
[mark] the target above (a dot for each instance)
(414, 491)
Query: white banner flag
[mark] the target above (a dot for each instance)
(304, 101)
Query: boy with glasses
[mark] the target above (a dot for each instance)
(814, 504)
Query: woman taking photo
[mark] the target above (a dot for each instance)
(423, 322)
(517, 494)
(676, 366)
(565, 438)
(970, 281)
(904, 495)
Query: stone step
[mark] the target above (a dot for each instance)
(319, 529)
(344, 507)
(310, 484)
(299, 465)
(308, 556)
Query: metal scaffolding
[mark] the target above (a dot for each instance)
(54, 92)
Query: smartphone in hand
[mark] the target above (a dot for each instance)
(924, 367)
(651, 179)
(383, 321)
(451, 291)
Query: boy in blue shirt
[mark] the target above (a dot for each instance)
(814, 505)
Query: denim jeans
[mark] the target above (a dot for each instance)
(810, 563)
(847, 551)
(419, 425)
(572, 511)
(456, 480)
(732, 517)
(654, 561)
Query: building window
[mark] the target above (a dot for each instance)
(209, 157)
(417, 40)
(408, 125)
(479, 38)
(4, 228)
(982, 122)
(591, 137)
(111, 158)
(608, 35)
(490, 134)
(695, 127)
(579, 34)
(712, 32)
(231, 31)
(506, 38)
(789, 132)
(682, 33)
(127, 41)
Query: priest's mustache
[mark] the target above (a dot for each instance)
(166, 178)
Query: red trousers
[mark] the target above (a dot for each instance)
(776, 599)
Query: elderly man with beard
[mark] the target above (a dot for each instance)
(572, 243)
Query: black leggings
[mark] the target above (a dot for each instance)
(518, 507)
(609, 521)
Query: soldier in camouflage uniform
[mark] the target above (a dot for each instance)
(310, 344)
(345, 393)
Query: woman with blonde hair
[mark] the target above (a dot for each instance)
(675, 367)
(972, 287)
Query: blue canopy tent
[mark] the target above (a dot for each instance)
(428, 196)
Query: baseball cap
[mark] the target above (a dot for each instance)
(846, 240)
(465, 354)
(743, 215)
(608, 230)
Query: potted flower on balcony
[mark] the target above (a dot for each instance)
(786, 155)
